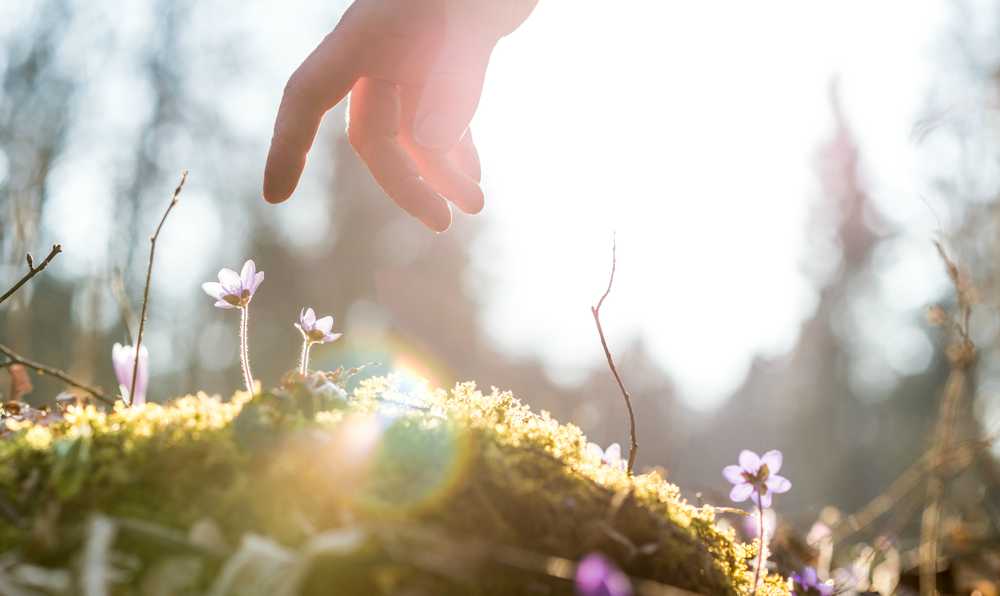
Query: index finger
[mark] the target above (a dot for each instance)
(323, 79)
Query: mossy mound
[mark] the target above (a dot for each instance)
(304, 490)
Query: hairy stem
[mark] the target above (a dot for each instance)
(304, 358)
(760, 537)
(244, 348)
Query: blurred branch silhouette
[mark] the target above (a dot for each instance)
(149, 278)
(961, 356)
(596, 311)
(15, 358)
(32, 270)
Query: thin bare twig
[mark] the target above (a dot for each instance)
(15, 358)
(906, 482)
(596, 311)
(149, 278)
(961, 355)
(32, 270)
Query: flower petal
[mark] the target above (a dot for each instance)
(778, 484)
(613, 454)
(247, 274)
(594, 450)
(740, 492)
(142, 379)
(308, 319)
(331, 337)
(224, 304)
(773, 460)
(231, 281)
(257, 280)
(325, 325)
(599, 576)
(214, 289)
(733, 474)
(809, 577)
(749, 461)
(120, 357)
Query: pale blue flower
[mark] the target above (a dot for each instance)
(235, 290)
(315, 330)
(757, 477)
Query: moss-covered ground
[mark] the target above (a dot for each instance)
(394, 489)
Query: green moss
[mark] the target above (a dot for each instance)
(451, 492)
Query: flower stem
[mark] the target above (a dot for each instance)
(760, 537)
(244, 349)
(304, 358)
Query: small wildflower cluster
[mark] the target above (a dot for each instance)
(232, 291)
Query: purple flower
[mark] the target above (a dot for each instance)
(235, 290)
(611, 456)
(315, 330)
(808, 583)
(756, 476)
(123, 361)
(598, 576)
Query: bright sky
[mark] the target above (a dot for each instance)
(690, 129)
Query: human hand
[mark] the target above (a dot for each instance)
(415, 70)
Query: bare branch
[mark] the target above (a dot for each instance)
(596, 311)
(32, 270)
(961, 356)
(15, 358)
(149, 278)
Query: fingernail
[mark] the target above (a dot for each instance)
(435, 131)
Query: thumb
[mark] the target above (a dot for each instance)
(451, 92)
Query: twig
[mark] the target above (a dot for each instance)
(906, 482)
(596, 311)
(149, 277)
(32, 270)
(961, 355)
(15, 358)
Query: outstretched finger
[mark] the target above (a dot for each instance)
(467, 157)
(323, 79)
(373, 129)
(439, 168)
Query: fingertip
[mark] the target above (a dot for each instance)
(274, 197)
(281, 176)
(474, 201)
(438, 220)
